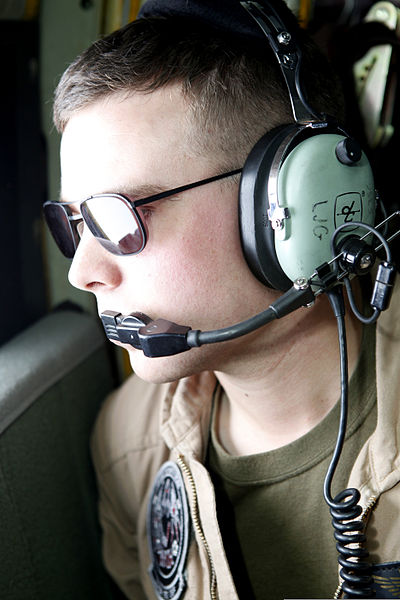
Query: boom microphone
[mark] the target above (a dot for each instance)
(165, 338)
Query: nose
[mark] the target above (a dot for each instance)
(93, 268)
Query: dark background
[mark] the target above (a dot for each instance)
(22, 179)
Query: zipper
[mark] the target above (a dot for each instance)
(365, 515)
(197, 525)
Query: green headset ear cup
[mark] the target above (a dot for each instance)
(257, 235)
(319, 192)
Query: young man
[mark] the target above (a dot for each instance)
(211, 462)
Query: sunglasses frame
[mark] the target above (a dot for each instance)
(75, 219)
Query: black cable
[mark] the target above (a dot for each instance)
(377, 306)
(344, 508)
(336, 299)
(196, 337)
(360, 317)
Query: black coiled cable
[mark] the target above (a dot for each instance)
(356, 570)
(349, 532)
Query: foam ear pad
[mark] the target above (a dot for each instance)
(318, 185)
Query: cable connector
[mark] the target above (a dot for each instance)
(357, 256)
(383, 287)
(299, 295)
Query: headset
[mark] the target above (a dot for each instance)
(300, 183)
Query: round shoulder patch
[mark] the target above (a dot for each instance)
(168, 526)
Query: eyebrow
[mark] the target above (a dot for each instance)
(141, 191)
(128, 190)
(132, 192)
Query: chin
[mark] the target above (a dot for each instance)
(168, 368)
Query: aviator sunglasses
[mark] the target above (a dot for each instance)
(112, 218)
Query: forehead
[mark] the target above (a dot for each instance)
(136, 139)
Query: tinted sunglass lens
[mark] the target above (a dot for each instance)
(60, 228)
(113, 222)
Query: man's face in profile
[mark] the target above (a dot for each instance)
(192, 270)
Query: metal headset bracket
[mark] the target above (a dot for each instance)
(288, 54)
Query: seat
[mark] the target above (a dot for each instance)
(53, 378)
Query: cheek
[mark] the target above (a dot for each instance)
(193, 271)
(202, 264)
(208, 246)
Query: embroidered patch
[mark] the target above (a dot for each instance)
(168, 532)
(386, 580)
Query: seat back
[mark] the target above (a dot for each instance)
(53, 378)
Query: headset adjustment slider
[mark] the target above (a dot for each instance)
(277, 214)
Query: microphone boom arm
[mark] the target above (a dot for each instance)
(165, 338)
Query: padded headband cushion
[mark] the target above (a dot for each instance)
(225, 15)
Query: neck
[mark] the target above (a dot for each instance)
(282, 392)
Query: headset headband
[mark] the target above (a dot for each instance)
(288, 53)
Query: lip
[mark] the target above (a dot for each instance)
(127, 347)
(124, 313)
(124, 346)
